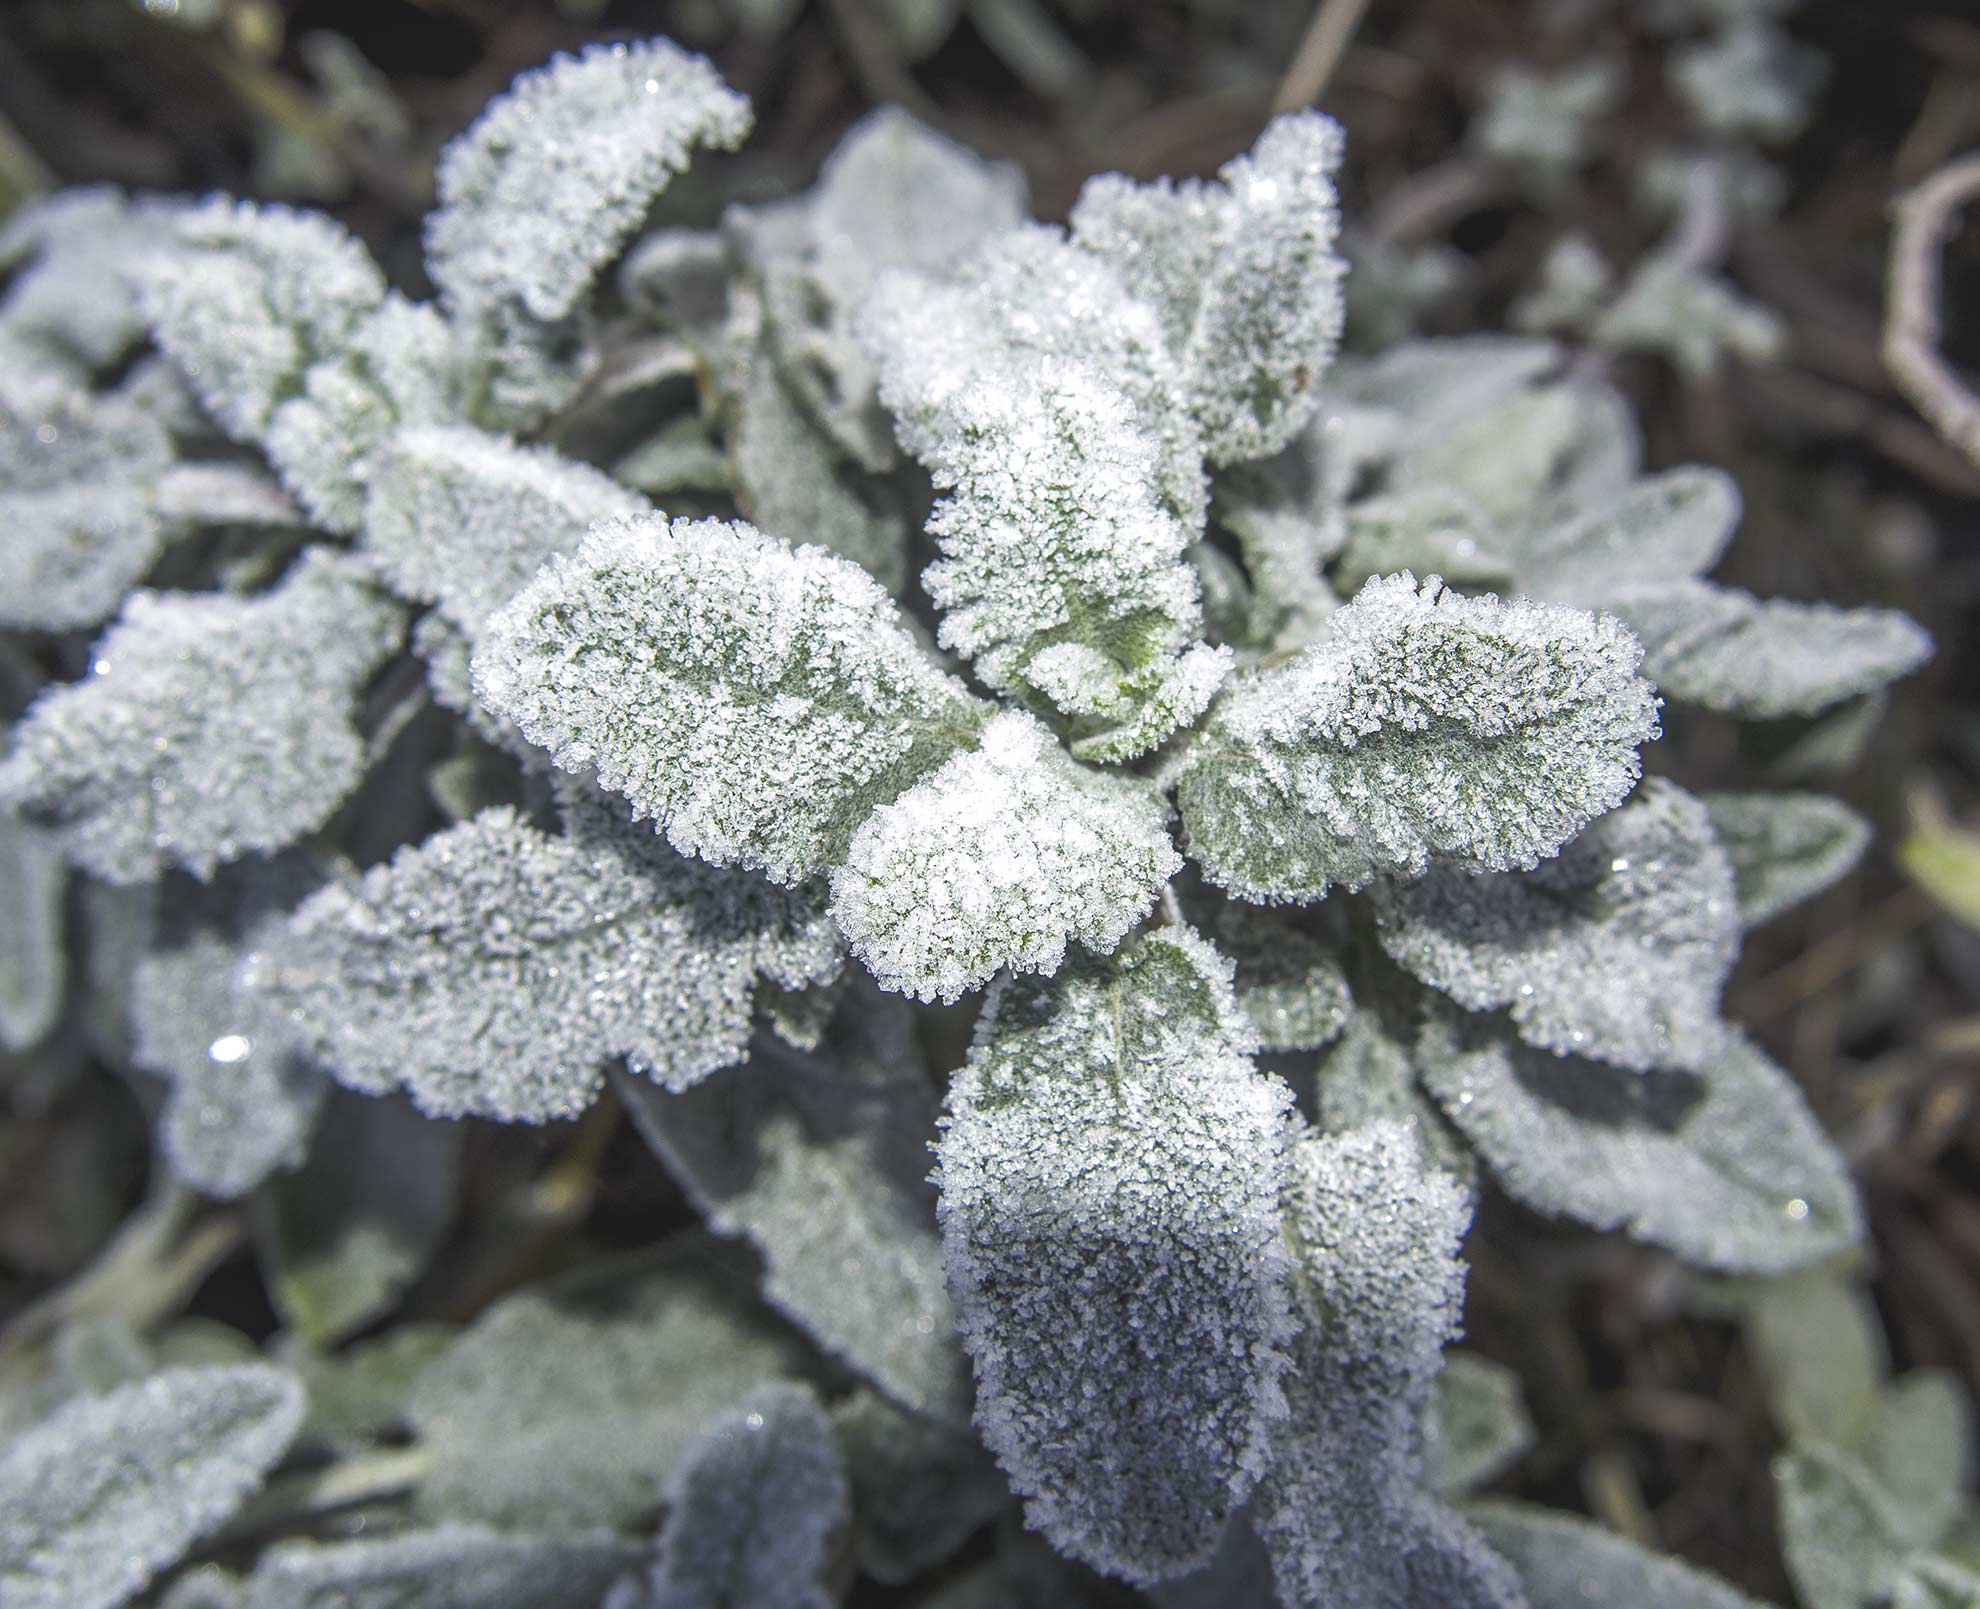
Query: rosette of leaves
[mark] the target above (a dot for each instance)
(1388, 636)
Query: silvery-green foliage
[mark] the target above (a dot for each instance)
(558, 171)
(495, 968)
(357, 1394)
(1109, 1173)
(1346, 1509)
(1368, 1075)
(1669, 306)
(753, 1508)
(33, 961)
(1424, 724)
(920, 1487)
(1478, 1424)
(1566, 1562)
(78, 481)
(209, 726)
(996, 860)
(1652, 531)
(463, 519)
(1750, 81)
(243, 1094)
(69, 310)
(1289, 984)
(250, 298)
(756, 701)
(1785, 847)
(1242, 275)
(343, 1234)
(1844, 1536)
(566, 1404)
(448, 1567)
(1726, 1166)
(1540, 123)
(1936, 1583)
(821, 1160)
(1616, 948)
(1919, 1446)
(1820, 1352)
(108, 1490)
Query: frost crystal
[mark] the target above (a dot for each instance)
(1616, 949)
(209, 727)
(822, 1161)
(464, 519)
(1110, 1175)
(99, 1497)
(756, 701)
(1425, 724)
(76, 497)
(997, 860)
(243, 1094)
(1727, 1167)
(567, 1404)
(1345, 1508)
(753, 1509)
(494, 969)
(1785, 847)
(250, 298)
(450, 1567)
(556, 174)
(1243, 276)
(1565, 1562)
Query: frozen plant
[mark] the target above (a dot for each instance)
(1255, 702)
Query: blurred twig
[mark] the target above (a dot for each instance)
(1911, 327)
(1319, 53)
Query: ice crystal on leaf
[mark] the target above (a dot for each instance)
(753, 1508)
(1242, 275)
(1345, 1509)
(555, 175)
(494, 969)
(1617, 948)
(1425, 724)
(997, 859)
(1110, 1173)
(210, 727)
(107, 1491)
(757, 702)
(1726, 1167)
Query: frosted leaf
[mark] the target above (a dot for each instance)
(997, 860)
(520, 370)
(1750, 81)
(1543, 123)
(921, 1488)
(1243, 276)
(1479, 1426)
(1425, 724)
(463, 519)
(1367, 1076)
(340, 1237)
(1063, 575)
(756, 701)
(357, 1394)
(1345, 1509)
(1764, 658)
(1935, 1583)
(566, 1404)
(894, 195)
(1430, 530)
(1842, 1535)
(960, 363)
(494, 969)
(76, 487)
(1109, 1176)
(243, 1095)
(399, 369)
(1433, 386)
(555, 175)
(1818, 1346)
(1727, 1168)
(822, 1162)
(249, 298)
(1785, 847)
(1668, 306)
(1565, 1562)
(217, 492)
(1617, 948)
(451, 1567)
(210, 726)
(1290, 985)
(792, 483)
(449, 657)
(107, 1491)
(1658, 529)
(1919, 1446)
(753, 1510)
(70, 305)
(33, 958)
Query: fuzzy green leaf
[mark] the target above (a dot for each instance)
(1479, 1425)
(451, 1567)
(1565, 1562)
(1785, 847)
